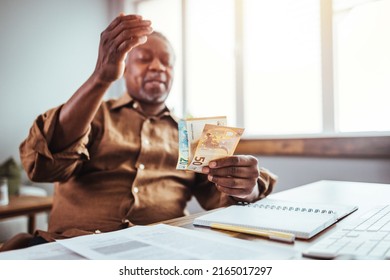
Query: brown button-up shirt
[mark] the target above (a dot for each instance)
(122, 172)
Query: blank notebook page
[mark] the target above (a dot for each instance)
(302, 219)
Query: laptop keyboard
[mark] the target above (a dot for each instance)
(367, 237)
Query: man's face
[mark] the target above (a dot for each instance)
(149, 71)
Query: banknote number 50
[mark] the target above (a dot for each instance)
(198, 160)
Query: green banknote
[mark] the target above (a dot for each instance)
(182, 161)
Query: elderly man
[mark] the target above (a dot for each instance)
(114, 162)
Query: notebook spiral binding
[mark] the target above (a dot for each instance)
(290, 208)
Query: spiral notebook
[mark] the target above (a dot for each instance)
(304, 220)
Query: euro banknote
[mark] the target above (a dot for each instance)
(182, 161)
(215, 142)
(204, 139)
(190, 131)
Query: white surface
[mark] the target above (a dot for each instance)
(302, 219)
(163, 242)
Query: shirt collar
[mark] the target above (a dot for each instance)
(127, 101)
(122, 101)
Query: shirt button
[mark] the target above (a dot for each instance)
(141, 166)
(135, 190)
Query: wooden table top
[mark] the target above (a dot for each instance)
(25, 205)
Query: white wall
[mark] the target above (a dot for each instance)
(296, 171)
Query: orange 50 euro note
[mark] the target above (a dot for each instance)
(190, 131)
(214, 143)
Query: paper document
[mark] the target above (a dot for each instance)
(48, 251)
(202, 140)
(163, 242)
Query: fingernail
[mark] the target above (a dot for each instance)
(143, 39)
(205, 169)
(213, 164)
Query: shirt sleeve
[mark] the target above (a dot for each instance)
(210, 198)
(266, 182)
(39, 162)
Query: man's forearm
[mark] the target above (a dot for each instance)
(77, 113)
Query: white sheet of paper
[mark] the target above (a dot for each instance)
(48, 251)
(163, 242)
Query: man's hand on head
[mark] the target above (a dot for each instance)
(123, 34)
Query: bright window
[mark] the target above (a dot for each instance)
(280, 67)
(362, 65)
(282, 63)
(210, 73)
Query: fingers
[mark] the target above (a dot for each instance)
(234, 166)
(124, 33)
(121, 17)
(127, 28)
(236, 175)
(239, 187)
(239, 160)
(238, 192)
(130, 43)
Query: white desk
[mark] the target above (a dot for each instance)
(364, 195)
